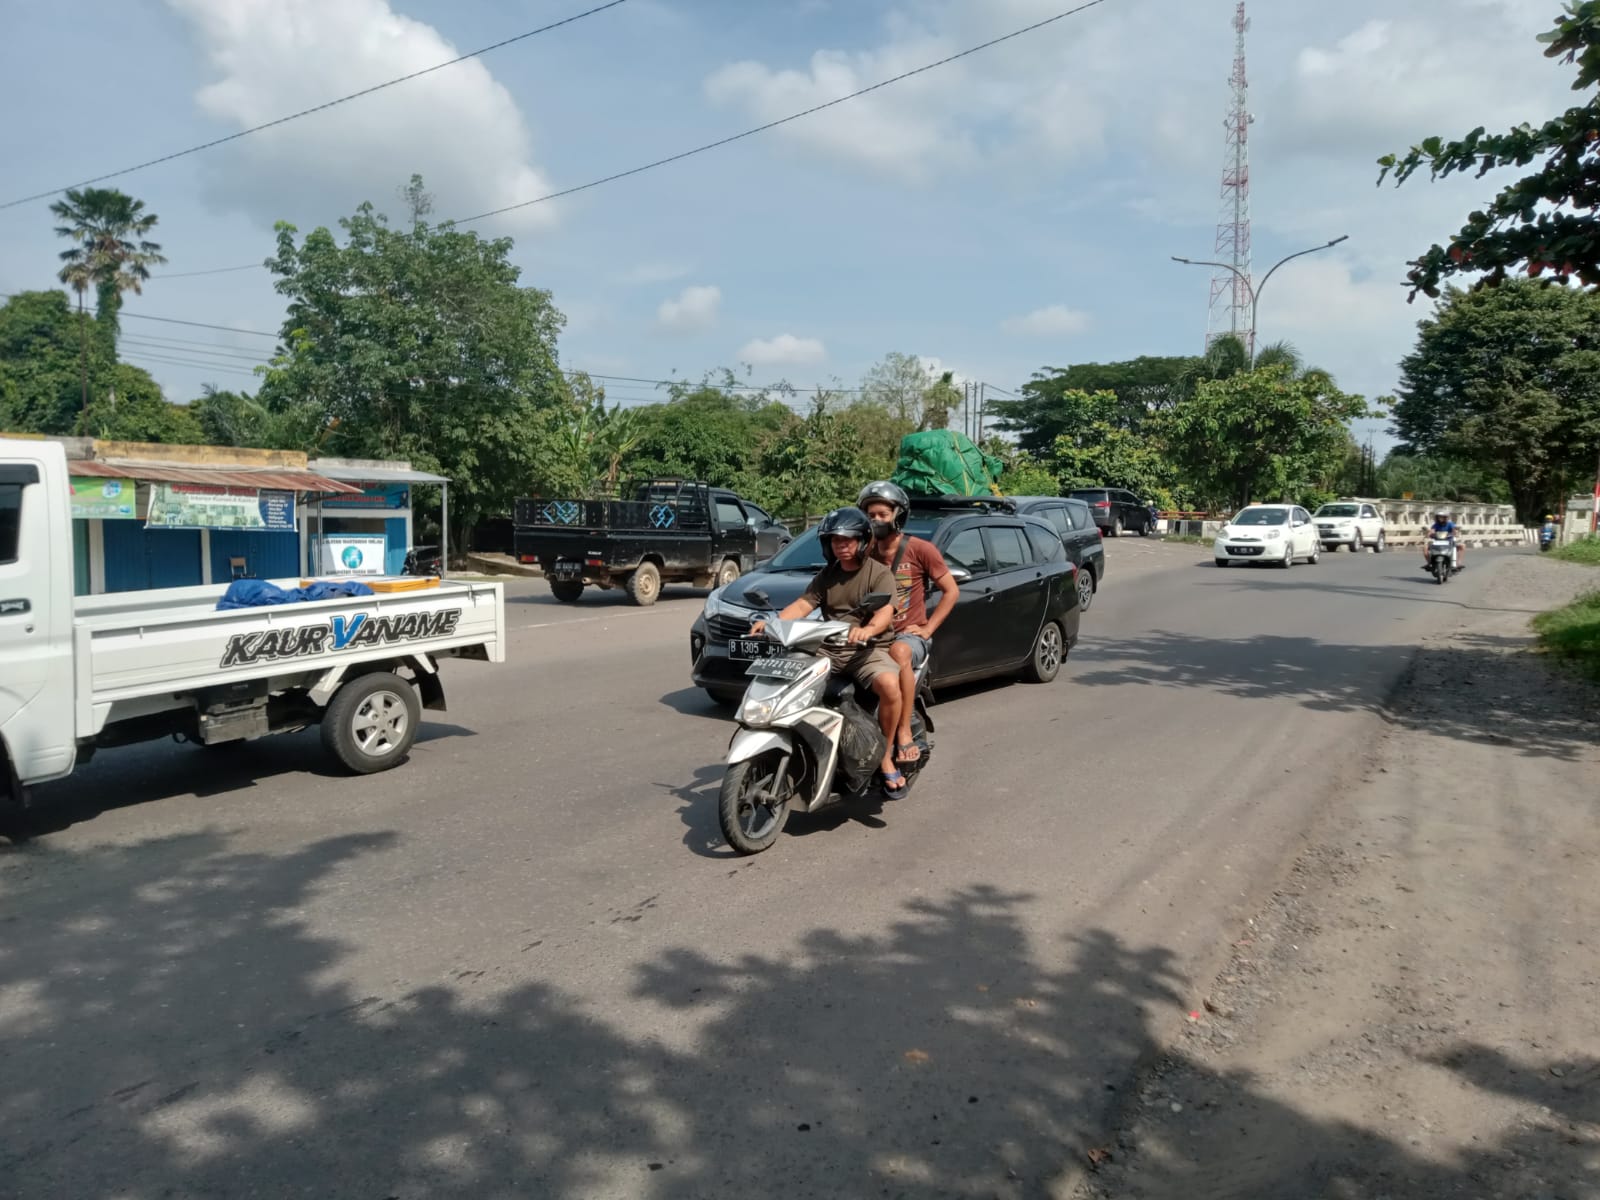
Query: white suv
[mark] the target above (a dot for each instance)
(1349, 523)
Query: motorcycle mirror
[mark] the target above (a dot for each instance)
(758, 598)
(875, 601)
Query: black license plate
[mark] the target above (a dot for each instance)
(779, 668)
(566, 570)
(747, 649)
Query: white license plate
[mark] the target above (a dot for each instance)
(779, 668)
(745, 649)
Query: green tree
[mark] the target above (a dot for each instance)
(905, 386)
(1101, 454)
(132, 409)
(712, 430)
(110, 252)
(1544, 221)
(1263, 435)
(40, 363)
(1508, 379)
(1052, 401)
(1020, 473)
(421, 344)
(815, 463)
(229, 418)
(1438, 477)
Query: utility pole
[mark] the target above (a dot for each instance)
(1231, 292)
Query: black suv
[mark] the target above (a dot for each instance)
(1018, 609)
(1073, 520)
(1115, 510)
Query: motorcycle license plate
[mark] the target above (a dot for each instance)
(779, 668)
(745, 649)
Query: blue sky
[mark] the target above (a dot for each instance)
(1016, 209)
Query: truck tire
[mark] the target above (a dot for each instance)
(566, 590)
(644, 585)
(371, 722)
(728, 572)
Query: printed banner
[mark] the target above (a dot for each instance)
(98, 499)
(352, 554)
(388, 496)
(207, 506)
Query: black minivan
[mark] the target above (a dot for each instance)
(1116, 510)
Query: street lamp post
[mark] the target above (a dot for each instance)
(1254, 290)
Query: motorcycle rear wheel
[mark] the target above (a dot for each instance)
(750, 815)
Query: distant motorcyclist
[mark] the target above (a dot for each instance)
(839, 590)
(1548, 534)
(916, 564)
(1442, 527)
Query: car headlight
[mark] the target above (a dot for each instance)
(716, 606)
(1273, 535)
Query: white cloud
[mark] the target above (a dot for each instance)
(693, 310)
(1055, 320)
(651, 273)
(458, 127)
(785, 350)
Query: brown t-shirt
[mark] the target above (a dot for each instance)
(920, 562)
(836, 591)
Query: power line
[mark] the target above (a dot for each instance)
(166, 158)
(179, 362)
(202, 345)
(661, 162)
(255, 266)
(167, 348)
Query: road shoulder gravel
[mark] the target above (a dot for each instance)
(1416, 1012)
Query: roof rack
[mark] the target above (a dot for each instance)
(954, 500)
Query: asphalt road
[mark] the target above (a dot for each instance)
(524, 965)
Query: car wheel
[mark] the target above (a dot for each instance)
(1379, 546)
(1357, 546)
(1085, 589)
(1287, 560)
(1116, 527)
(1315, 556)
(1221, 562)
(1049, 650)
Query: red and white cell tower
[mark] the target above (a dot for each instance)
(1230, 290)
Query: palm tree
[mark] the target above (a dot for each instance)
(110, 252)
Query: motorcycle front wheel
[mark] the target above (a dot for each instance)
(754, 803)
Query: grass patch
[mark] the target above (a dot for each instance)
(1573, 633)
(1585, 550)
(1187, 539)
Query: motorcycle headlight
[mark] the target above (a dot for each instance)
(806, 692)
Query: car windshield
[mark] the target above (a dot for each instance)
(1262, 516)
(805, 552)
(1339, 510)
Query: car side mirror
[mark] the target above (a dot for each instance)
(758, 598)
(960, 574)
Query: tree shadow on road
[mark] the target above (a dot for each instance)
(1480, 688)
(172, 1025)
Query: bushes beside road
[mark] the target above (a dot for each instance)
(1573, 632)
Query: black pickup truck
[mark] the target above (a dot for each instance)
(664, 531)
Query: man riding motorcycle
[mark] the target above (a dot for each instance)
(1442, 527)
(915, 564)
(839, 590)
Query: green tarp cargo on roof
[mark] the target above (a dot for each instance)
(942, 462)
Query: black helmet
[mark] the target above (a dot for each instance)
(844, 522)
(890, 493)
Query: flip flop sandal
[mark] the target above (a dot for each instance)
(900, 752)
(889, 784)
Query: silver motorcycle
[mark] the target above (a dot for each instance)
(1443, 558)
(804, 741)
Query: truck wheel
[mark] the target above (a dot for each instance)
(644, 585)
(728, 573)
(566, 590)
(371, 722)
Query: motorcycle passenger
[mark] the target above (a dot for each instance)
(839, 590)
(915, 564)
(1442, 527)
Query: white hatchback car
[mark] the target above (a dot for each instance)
(1350, 523)
(1272, 533)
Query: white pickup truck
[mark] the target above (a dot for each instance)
(81, 673)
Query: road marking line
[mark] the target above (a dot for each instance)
(585, 620)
